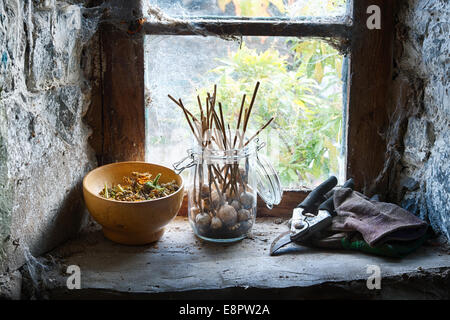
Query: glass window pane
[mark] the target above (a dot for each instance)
(251, 8)
(301, 87)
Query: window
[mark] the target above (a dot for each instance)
(301, 83)
(180, 28)
(300, 86)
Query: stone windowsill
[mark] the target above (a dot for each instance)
(183, 266)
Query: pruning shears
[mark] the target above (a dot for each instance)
(305, 223)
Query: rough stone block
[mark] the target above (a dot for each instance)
(11, 286)
(12, 45)
(48, 156)
(438, 186)
(56, 48)
(44, 152)
(418, 140)
(424, 54)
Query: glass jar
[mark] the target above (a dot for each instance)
(223, 188)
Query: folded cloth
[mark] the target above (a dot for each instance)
(378, 222)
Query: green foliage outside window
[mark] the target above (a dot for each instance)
(300, 85)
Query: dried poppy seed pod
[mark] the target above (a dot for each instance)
(194, 212)
(203, 220)
(227, 214)
(216, 223)
(247, 200)
(236, 205)
(216, 199)
(243, 215)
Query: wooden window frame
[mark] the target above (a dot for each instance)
(117, 114)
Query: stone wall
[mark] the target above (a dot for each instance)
(43, 141)
(420, 127)
(44, 93)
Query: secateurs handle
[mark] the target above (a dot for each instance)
(329, 204)
(350, 183)
(316, 196)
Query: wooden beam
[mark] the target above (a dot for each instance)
(370, 79)
(123, 116)
(245, 27)
(290, 200)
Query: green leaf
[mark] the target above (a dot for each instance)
(298, 86)
(318, 72)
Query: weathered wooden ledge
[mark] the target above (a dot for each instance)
(182, 266)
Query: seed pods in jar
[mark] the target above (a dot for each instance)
(203, 220)
(227, 214)
(247, 200)
(236, 205)
(216, 200)
(243, 215)
(216, 223)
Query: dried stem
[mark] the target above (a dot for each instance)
(258, 132)
(239, 120)
(247, 116)
(213, 128)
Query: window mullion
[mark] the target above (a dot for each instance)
(370, 78)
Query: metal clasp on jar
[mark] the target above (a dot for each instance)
(259, 146)
(180, 165)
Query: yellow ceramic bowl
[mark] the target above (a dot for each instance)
(126, 222)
